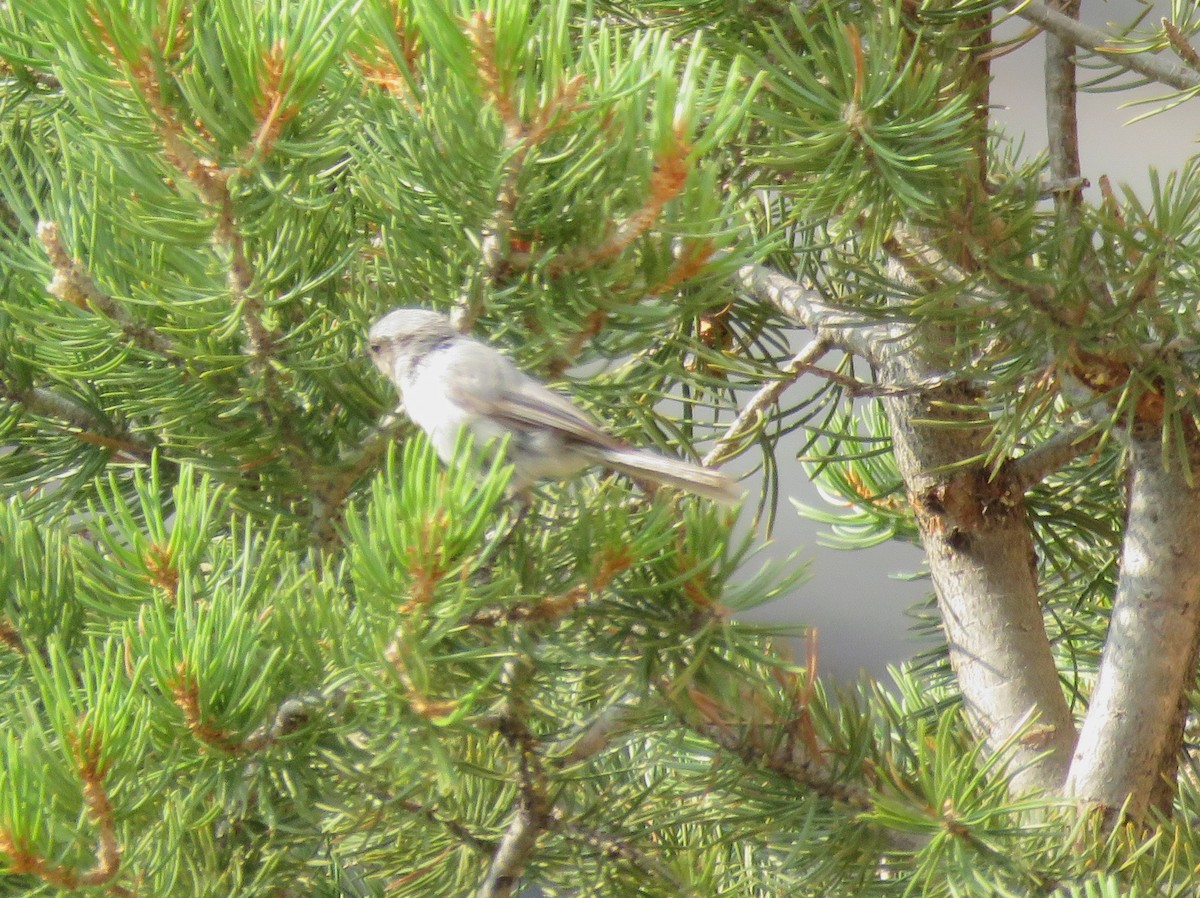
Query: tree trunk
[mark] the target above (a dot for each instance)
(980, 549)
(1131, 738)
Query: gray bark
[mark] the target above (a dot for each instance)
(974, 528)
(1130, 739)
(981, 556)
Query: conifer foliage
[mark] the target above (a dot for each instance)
(255, 639)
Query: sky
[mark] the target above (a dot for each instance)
(852, 598)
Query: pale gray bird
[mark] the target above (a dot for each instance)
(449, 381)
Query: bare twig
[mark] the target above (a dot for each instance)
(768, 395)
(1103, 44)
(1062, 123)
(1062, 133)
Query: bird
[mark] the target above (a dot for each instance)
(449, 382)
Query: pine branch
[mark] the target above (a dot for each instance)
(329, 497)
(211, 184)
(73, 284)
(608, 564)
(671, 169)
(915, 251)
(454, 827)
(1180, 45)
(82, 423)
(23, 859)
(840, 327)
(788, 748)
(520, 137)
(1103, 44)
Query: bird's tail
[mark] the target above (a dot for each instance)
(641, 463)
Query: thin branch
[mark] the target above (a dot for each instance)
(608, 564)
(88, 428)
(1180, 45)
(1104, 44)
(10, 636)
(758, 744)
(842, 327)
(767, 396)
(533, 805)
(72, 283)
(452, 826)
(185, 690)
(1062, 121)
(1061, 449)
(1062, 134)
(783, 760)
(671, 168)
(95, 796)
(615, 846)
(913, 251)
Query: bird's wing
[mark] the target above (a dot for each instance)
(491, 385)
(535, 405)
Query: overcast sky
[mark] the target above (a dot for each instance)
(851, 599)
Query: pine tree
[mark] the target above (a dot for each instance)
(256, 639)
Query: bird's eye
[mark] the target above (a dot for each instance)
(375, 348)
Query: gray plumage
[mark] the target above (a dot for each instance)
(449, 381)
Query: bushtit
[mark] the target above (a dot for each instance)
(449, 381)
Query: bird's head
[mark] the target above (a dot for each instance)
(404, 336)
